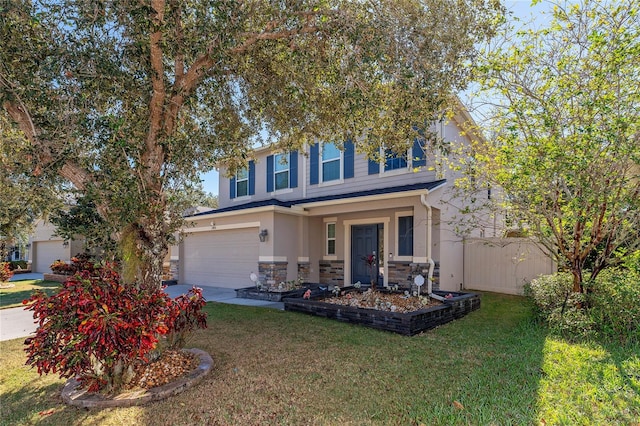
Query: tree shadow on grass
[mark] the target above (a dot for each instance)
(500, 355)
(20, 404)
(13, 297)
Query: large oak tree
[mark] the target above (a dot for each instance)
(129, 100)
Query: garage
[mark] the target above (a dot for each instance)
(45, 253)
(220, 258)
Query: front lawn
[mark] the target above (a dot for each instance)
(12, 297)
(272, 367)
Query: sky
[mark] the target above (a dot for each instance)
(520, 8)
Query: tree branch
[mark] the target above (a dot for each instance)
(153, 156)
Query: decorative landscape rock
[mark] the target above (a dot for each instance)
(408, 324)
(81, 398)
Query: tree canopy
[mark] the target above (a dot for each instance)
(131, 100)
(566, 135)
(23, 197)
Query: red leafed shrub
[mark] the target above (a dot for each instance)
(185, 317)
(61, 267)
(5, 272)
(80, 262)
(97, 329)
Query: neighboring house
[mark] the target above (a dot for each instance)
(47, 248)
(317, 215)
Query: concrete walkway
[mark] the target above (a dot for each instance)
(16, 322)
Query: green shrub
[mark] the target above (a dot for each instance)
(558, 306)
(17, 264)
(614, 303)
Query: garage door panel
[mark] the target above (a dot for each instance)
(47, 252)
(220, 258)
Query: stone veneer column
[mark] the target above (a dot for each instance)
(332, 272)
(272, 273)
(174, 269)
(404, 272)
(304, 271)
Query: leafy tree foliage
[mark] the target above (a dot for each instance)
(567, 135)
(23, 197)
(82, 219)
(132, 100)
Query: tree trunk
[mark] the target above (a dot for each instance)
(577, 280)
(144, 246)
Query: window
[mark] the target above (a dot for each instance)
(405, 236)
(281, 171)
(331, 156)
(413, 158)
(331, 238)
(242, 182)
(393, 161)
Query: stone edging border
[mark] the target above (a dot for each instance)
(81, 398)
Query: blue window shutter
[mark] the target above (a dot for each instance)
(293, 169)
(270, 173)
(252, 177)
(314, 171)
(418, 154)
(232, 187)
(348, 159)
(374, 167)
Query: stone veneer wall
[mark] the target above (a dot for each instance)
(404, 272)
(304, 271)
(271, 273)
(332, 272)
(174, 268)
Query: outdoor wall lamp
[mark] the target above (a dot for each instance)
(263, 235)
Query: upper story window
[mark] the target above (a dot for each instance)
(413, 158)
(242, 182)
(282, 171)
(394, 161)
(281, 174)
(328, 163)
(331, 162)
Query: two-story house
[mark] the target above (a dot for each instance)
(318, 216)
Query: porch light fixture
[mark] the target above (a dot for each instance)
(263, 235)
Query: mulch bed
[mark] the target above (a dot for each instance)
(171, 365)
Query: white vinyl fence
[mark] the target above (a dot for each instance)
(503, 265)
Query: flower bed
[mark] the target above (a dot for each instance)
(278, 295)
(406, 323)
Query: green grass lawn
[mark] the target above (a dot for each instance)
(493, 367)
(12, 297)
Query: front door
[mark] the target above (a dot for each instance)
(364, 242)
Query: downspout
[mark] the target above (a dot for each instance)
(304, 171)
(432, 264)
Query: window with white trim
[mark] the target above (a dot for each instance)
(242, 182)
(331, 238)
(281, 171)
(330, 160)
(394, 161)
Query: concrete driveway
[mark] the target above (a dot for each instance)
(16, 322)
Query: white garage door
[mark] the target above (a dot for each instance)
(220, 258)
(45, 253)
